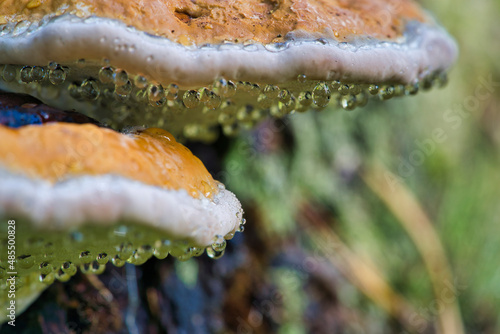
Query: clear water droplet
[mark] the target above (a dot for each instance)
(213, 254)
(89, 90)
(271, 91)
(52, 65)
(9, 73)
(156, 95)
(25, 261)
(106, 74)
(214, 101)
(69, 268)
(102, 258)
(305, 98)
(412, 89)
(373, 89)
(123, 90)
(284, 96)
(348, 102)
(224, 88)
(25, 74)
(117, 261)
(140, 81)
(57, 76)
(334, 85)
(86, 257)
(302, 78)
(162, 248)
(386, 92)
(47, 278)
(45, 268)
(191, 99)
(321, 95)
(38, 73)
(172, 92)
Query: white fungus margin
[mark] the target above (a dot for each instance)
(108, 200)
(424, 48)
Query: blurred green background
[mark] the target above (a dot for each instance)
(368, 191)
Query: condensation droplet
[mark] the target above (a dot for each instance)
(45, 268)
(213, 254)
(9, 73)
(25, 74)
(123, 90)
(373, 89)
(38, 73)
(52, 65)
(156, 95)
(172, 92)
(224, 88)
(120, 77)
(321, 95)
(284, 96)
(271, 91)
(140, 81)
(117, 261)
(57, 75)
(285, 107)
(334, 85)
(62, 276)
(102, 258)
(204, 94)
(305, 98)
(25, 261)
(412, 89)
(386, 92)
(69, 268)
(344, 89)
(90, 90)
(348, 102)
(162, 248)
(214, 101)
(47, 278)
(191, 99)
(85, 257)
(106, 74)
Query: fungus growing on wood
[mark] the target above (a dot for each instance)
(193, 67)
(189, 67)
(82, 195)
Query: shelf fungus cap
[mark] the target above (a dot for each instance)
(79, 195)
(191, 66)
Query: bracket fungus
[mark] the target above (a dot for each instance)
(191, 67)
(74, 194)
(196, 66)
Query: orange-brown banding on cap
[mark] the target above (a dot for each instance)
(58, 151)
(214, 21)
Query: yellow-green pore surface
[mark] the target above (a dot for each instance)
(45, 256)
